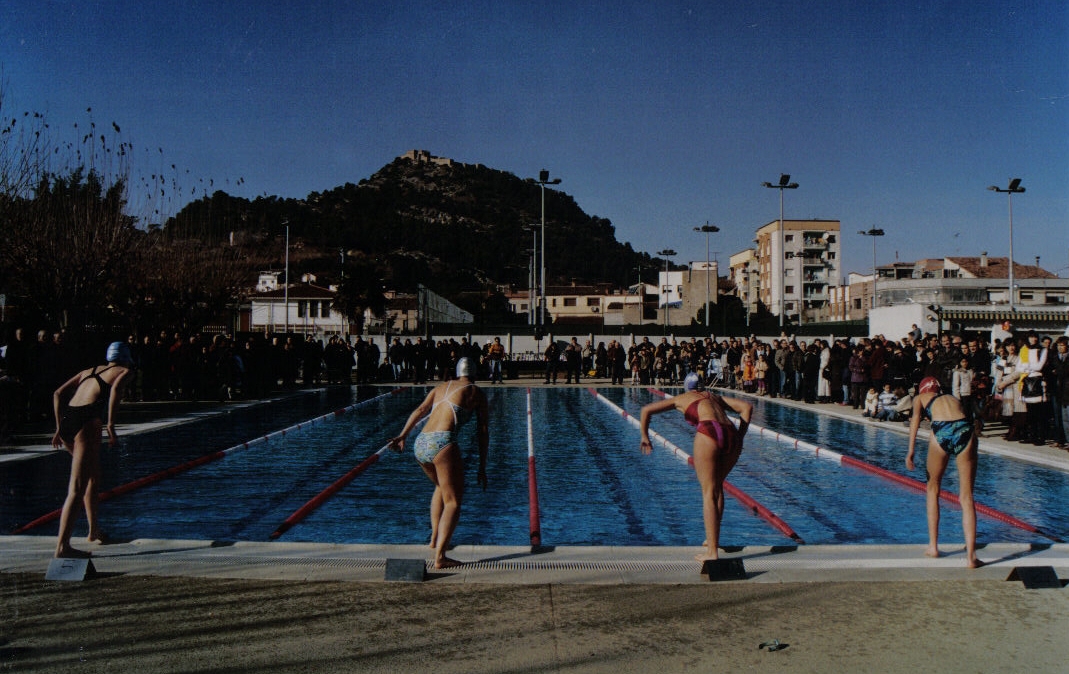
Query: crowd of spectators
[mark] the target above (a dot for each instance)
(1022, 381)
(176, 366)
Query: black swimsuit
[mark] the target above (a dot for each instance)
(76, 417)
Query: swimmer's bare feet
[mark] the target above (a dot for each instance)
(72, 553)
(932, 552)
(446, 563)
(708, 555)
(100, 538)
(973, 563)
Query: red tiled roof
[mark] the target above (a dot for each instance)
(998, 267)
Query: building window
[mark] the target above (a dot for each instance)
(593, 301)
(301, 308)
(324, 309)
(788, 290)
(831, 255)
(569, 301)
(857, 303)
(788, 237)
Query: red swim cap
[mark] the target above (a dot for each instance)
(929, 385)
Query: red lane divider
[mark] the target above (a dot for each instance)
(756, 508)
(322, 497)
(194, 463)
(950, 497)
(532, 480)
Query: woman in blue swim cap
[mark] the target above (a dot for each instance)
(94, 397)
(717, 446)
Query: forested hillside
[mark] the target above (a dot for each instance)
(451, 227)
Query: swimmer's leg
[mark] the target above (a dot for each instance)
(937, 465)
(966, 463)
(449, 465)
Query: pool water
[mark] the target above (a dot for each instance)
(595, 487)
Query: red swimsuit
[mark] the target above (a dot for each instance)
(723, 432)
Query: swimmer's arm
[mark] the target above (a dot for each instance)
(745, 411)
(914, 426)
(644, 420)
(113, 404)
(398, 443)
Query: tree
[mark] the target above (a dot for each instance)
(361, 290)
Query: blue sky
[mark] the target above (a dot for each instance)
(659, 116)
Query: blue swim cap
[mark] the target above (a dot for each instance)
(119, 352)
(693, 382)
(465, 368)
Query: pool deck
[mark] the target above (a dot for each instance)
(171, 605)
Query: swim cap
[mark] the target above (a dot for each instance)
(465, 368)
(693, 382)
(119, 352)
(929, 385)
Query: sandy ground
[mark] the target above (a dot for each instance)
(125, 623)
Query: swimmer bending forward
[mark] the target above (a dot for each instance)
(953, 434)
(80, 421)
(448, 407)
(717, 446)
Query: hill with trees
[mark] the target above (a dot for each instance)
(450, 226)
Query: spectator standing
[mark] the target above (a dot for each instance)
(1060, 367)
(495, 356)
(552, 359)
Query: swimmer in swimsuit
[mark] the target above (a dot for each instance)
(94, 396)
(952, 435)
(447, 408)
(717, 446)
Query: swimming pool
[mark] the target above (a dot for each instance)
(595, 487)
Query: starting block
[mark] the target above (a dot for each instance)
(723, 569)
(65, 568)
(1036, 577)
(408, 570)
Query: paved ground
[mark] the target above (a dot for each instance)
(198, 606)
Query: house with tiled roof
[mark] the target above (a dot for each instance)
(956, 293)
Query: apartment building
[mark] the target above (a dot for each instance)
(795, 274)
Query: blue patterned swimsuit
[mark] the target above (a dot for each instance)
(955, 436)
(430, 443)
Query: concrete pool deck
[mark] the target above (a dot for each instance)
(220, 606)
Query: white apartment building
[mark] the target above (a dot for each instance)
(796, 273)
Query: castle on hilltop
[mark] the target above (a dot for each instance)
(425, 157)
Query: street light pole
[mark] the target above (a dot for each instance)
(1014, 188)
(708, 229)
(543, 180)
(666, 253)
(532, 276)
(873, 232)
(784, 184)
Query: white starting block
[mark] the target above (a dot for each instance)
(65, 568)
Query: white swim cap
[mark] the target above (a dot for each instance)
(693, 382)
(465, 368)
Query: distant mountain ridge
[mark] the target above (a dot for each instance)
(424, 219)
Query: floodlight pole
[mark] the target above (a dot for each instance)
(708, 229)
(543, 180)
(1014, 188)
(666, 253)
(784, 184)
(873, 232)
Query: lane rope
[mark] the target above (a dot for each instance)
(202, 460)
(532, 480)
(751, 503)
(836, 457)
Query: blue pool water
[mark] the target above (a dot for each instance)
(595, 487)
